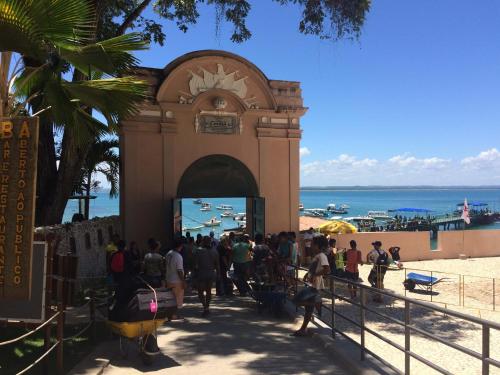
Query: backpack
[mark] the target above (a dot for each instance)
(118, 262)
(383, 259)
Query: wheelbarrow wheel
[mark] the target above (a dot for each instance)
(124, 347)
(409, 285)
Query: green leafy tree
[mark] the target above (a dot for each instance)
(333, 19)
(55, 40)
(101, 158)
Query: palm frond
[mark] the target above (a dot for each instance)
(19, 31)
(114, 97)
(109, 56)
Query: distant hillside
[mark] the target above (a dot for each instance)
(404, 187)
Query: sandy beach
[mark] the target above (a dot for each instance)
(478, 293)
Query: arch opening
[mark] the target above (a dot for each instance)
(217, 176)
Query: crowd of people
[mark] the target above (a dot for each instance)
(206, 261)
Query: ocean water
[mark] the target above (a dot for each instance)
(360, 201)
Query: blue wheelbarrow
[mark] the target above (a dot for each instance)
(417, 280)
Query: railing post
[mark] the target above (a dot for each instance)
(362, 298)
(60, 343)
(92, 315)
(431, 286)
(405, 279)
(332, 292)
(486, 349)
(407, 337)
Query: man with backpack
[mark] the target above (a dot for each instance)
(380, 260)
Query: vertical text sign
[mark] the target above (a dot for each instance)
(18, 159)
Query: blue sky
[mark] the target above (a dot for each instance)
(416, 100)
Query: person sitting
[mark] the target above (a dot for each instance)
(310, 297)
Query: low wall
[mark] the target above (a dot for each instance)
(416, 245)
(87, 240)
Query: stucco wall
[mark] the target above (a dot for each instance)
(87, 240)
(164, 140)
(416, 245)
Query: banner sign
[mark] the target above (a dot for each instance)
(32, 310)
(18, 159)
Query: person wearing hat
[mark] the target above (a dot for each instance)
(380, 260)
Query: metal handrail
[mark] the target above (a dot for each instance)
(486, 325)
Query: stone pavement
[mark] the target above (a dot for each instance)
(235, 339)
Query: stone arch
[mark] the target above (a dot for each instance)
(217, 176)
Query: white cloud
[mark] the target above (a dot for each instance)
(405, 169)
(408, 161)
(486, 159)
(304, 151)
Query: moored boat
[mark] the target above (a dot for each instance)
(227, 214)
(206, 207)
(301, 207)
(197, 201)
(224, 207)
(379, 215)
(213, 222)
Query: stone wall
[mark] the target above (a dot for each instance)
(87, 240)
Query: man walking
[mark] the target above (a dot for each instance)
(175, 273)
(380, 260)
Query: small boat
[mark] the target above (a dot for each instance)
(332, 208)
(379, 215)
(206, 207)
(213, 222)
(197, 201)
(227, 214)
(240, 216)
(224, 207)
(242, 224)
(316, 212)
(193, 229)
(301, 207)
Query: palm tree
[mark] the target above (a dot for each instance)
(62, 75)
(102, 158)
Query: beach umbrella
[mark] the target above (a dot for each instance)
(337, 227)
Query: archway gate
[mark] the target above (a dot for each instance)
(217, 127)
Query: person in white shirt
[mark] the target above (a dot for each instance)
(318, 268)
(308, 238)
(175, 272)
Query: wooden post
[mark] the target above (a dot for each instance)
(48, 300)
(60, 336)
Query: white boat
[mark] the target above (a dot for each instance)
(213, 222)
(193, 229)
(224, 207)
(379, 215)
(227, 214)
(197, 201)
(332, 207)
(301, 207)
(345, 206)
(316, 212)
(242, 224)
(240, 216)
(206, 207)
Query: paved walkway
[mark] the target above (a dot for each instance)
(234, 340)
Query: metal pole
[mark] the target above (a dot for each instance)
(362, 321)
(332, 292)
(405, 280)
(407, 338)
(48, 300)
(60, 336)
(431, 286)
(486, 349)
